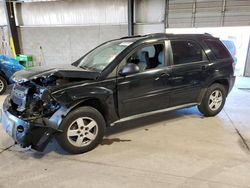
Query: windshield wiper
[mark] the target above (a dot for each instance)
(83, 67)
(88, 68)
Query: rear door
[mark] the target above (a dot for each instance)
(189, 71)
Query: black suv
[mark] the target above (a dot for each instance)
(118, 80)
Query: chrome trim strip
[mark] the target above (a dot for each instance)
(153, 112)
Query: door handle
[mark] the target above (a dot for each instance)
(166, 75)
(204, 67)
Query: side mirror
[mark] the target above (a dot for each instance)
(129, 69)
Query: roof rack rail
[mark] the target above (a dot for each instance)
(134, 36)
(208, 34)
(156, 34)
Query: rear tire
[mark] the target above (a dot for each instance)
(3, 85)
(83, 130)
(213, 101)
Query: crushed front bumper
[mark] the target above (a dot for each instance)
(34, 134)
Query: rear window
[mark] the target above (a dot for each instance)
(186, 52)
(218, 49)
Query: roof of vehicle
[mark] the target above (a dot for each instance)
(169, 36)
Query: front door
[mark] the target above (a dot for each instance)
(147, 90)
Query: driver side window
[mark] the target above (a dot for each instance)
(148, 57)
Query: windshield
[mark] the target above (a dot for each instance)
(102, 56)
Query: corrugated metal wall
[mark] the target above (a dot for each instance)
(102, 14)
(208, 13)
(149, 14)
(77, 12)
(83, 25)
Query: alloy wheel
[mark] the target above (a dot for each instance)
(1, 85)
(215, 100)
(82, 131)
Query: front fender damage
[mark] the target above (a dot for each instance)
(34, 112)
(34, 132)
(46, 129)
(83, 94)
(38, 104)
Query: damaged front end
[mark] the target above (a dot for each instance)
(31, 115)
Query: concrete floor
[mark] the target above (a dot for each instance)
(174, 149)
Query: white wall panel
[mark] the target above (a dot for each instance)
(149, 11)
(144, 29)
(3, 20)
(62, 45)
(77, 12)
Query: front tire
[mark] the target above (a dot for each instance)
(213, 100)
(83, 130)
(3, 85)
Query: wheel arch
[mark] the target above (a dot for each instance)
(4, 76)
(223, 82)
(98, 105)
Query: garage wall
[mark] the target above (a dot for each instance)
(209, 13)
(143, 29)
(3, 20)
(76, 12)
(5, 48)
(65, 44)
(149, 16)
(67, 29)
(62, 31)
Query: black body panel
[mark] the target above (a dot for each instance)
(49, 94)
(150, 91)
(66, 71)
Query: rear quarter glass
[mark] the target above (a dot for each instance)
(218, 49)
(230, 46)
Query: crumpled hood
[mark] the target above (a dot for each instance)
(63, 71)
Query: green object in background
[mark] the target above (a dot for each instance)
(25, 60)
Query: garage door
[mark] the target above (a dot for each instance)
(208, 13)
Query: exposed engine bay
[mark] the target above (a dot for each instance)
(32, 99)
(31, 96)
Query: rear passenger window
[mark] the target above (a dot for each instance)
(218, 49)
(186, 52)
